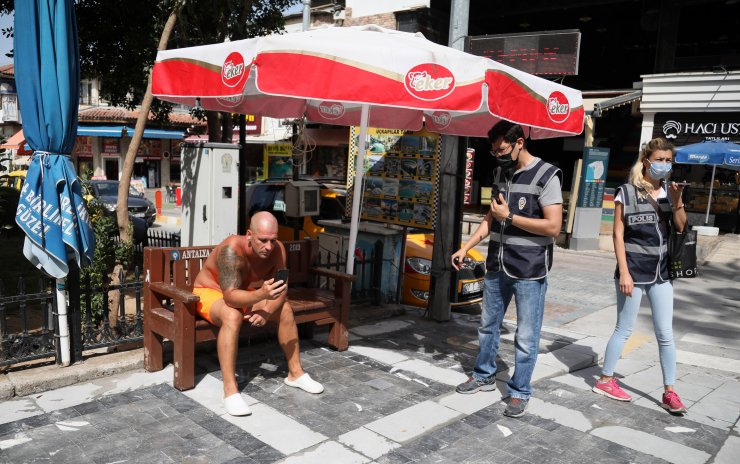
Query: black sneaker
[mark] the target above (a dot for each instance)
(516, 407)
(473, 385)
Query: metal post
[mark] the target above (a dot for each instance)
(241, 225)
(306, 15)
(448, 232)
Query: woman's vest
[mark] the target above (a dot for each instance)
(645, 237)
(521, 254)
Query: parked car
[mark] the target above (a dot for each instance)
(263, 196)
(106, 191)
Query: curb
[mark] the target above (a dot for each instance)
(40, 379)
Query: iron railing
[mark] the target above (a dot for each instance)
(368, 268)
(27, 322)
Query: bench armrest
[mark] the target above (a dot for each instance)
(332, 274)
(170, 291)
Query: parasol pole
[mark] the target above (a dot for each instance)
(709, 200)
(357, 196)
(63, 324)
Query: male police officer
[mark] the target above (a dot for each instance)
(523, 220)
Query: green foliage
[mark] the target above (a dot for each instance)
(108, 251)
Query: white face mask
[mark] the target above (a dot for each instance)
(659, 169)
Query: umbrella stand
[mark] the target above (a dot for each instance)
(357, 195)
(709, 200)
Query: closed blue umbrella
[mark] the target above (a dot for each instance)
(711, 153)
(47, 72)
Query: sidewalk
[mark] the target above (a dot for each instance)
(390, 398)
(170, 214)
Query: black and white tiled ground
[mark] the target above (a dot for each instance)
(389, 399)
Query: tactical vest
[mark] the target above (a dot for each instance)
(517, 252)
(645, 237)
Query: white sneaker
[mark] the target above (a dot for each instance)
(305, 383)
(236, 406)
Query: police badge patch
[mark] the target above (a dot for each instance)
(522, 202)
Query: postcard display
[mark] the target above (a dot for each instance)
(401, 176)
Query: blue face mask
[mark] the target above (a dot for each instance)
(659, 170)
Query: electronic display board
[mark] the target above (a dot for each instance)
(540, 53)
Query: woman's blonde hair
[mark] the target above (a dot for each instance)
(637, 171)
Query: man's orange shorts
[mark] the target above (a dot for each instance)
(208, 296)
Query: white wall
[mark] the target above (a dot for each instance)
(362, 8)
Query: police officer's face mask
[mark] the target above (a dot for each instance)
(505, 161)
(659, 169)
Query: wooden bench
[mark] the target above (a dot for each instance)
(169, 304)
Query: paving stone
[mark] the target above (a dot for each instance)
(271, 427)
(469, 404)
(18, 409)
(329, 452)
(409, 423)
(652, 445)
(368, 443)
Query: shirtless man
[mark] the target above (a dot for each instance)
(236, 285)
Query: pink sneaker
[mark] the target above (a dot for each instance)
(610, 389)
(673, 403)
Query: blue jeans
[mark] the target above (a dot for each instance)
(530, 307)
(660, 296)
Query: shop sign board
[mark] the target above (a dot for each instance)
(401, 176)
(150, 149)
(278, 161)
(111, 146)
(686, 128)
(83, 146)
(469, 163)
(591, 193)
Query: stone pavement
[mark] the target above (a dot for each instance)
(390, 398)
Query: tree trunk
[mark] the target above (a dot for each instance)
(128, 163)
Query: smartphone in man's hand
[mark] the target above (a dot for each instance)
(495, 192)
(281, 274)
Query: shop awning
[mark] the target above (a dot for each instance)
(159, 133)
(124, 131)
(15, 141)
(102, 131)
(606, 105)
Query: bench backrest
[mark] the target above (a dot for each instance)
(180, 266)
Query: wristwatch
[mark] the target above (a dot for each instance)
(509, 219)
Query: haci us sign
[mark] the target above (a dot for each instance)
(682, 129)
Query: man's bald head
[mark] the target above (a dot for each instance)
(263, 223)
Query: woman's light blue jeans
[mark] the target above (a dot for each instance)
(530, 307)
(660, 295)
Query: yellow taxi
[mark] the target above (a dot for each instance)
(262, 196)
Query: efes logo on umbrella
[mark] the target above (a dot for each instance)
(233, 71)
(230, 102)
(331, 110)
(429, 81)
(558, 107)
(441, 119)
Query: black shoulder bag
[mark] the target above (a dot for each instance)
(681, 248)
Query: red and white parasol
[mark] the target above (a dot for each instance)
(366, 76)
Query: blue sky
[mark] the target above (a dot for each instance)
(6, 44)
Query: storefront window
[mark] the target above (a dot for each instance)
(329, 162)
